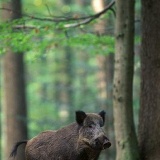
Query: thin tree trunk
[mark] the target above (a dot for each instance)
(64, 95)
(149, 120)
(126, 141)
(64, 84)
(105, 79)
(69, 82)
(14, 107)
(105, 62)
(83, 75)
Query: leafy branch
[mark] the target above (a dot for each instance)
(79, 20)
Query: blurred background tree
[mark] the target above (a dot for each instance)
(105, 65)
(14, 109)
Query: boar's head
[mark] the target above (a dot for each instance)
(91, 133)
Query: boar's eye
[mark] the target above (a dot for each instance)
(91, 125)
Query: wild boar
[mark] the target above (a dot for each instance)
(82, 140)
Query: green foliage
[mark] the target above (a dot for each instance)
(34, 36)
(43, 36)
(104, 44)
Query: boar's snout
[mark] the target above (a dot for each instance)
(102, 142)
(106, 143)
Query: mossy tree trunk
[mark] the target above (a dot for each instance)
(126, 141)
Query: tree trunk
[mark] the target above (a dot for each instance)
(68, 91)
(14, 107)
(105, 78)
(126, 141)
(149, 120)
(64, 84)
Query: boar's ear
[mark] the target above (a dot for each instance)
(80, 116)
(102, 114)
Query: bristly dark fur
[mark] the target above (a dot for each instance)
(81, 140)
(14, 150)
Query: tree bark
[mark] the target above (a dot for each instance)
(126, 141)
(14, 107)
(149, 120)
